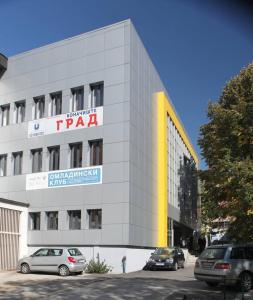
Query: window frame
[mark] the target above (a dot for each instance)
(54, 109)
(38, 113)
(73, 223)
(40, 151)
(56, 220)
(4, 170)
(3, 109)
(20, 104)
(91, 224)
(73, 152)
(52, 152)
(19, 169)
(93, 98)
(31, 221)
(96, 156)
(75, 105)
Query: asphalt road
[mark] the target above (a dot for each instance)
(164, 285)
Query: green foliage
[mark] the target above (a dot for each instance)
(97, 266)
(226, 143)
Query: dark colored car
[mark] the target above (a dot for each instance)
(166, 258)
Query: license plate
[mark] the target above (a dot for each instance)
(81, 260)
(160, 264)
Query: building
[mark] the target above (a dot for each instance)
(90, 141)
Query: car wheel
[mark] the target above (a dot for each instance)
(175, 267)
(63, 270)
(25, 269)
(245, 282)
(212, 284)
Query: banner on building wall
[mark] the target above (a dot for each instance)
(64, 178)
(66, 122)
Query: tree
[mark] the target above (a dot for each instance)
(226, 143)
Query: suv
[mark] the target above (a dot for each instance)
(166, 258)
(228, 264)
(56, 260)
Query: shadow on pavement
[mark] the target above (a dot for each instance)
(117, 288)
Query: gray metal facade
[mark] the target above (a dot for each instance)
(127, 196)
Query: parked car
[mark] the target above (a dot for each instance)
(166, 258)
(228, 264)
(53, 260)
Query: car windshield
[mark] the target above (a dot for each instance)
(74, 252)
(162, 251)
(213, 253)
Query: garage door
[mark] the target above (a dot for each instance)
(9, 238)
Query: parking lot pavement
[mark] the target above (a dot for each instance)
(164, 285)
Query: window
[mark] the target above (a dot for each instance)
(39, 107)
(55, 252)
(3, 164)
(55, 105)
(76, 155)
(41, 252)
(95, 218)
(249, 253)
(34, 220)
(74, 219)
(5, 112)
(19, 112)
(17, 163)
(77, 99)
(54, 158)
(36, 160)
(74, 252)
(237, 253)
(52, 220)
(96, 152)
(97, 94)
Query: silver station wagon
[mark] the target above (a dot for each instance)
(227, 264)
(53, 260)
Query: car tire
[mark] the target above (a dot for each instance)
(25, 269)
(175, 266)
(63, 270)
(245, 281)
(212, 284)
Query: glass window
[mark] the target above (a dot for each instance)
(34, 220)
(76, 155)
(74, 252)
(237, 253)
(96, 152)
(52, 220)
(39, 107)
(19, 112)
(97, 94)
(17, 163)
(249, 253)
(55, 252)
(54, 158)
(56, 104)
(3, 164)
(41, 252)
(95, 218)
(74, 219)
(213, 253)
(5, 113)
(77, 99)
(36, 160)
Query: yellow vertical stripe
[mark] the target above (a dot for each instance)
(165, 109)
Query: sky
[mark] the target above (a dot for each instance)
(196, 45)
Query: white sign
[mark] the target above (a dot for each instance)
(66, 122)
(64, 178)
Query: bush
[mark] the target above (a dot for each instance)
(97, 266)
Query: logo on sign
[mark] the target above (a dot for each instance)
(36, 126)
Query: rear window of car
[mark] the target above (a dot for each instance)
(74, 252)
(213, 253)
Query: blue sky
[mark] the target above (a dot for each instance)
(196, 46)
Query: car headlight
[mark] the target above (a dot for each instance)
(151, 259)
(169, 260)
